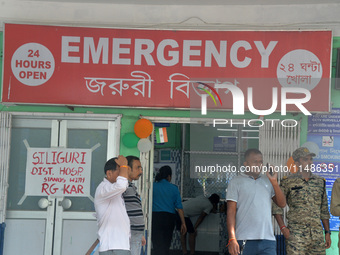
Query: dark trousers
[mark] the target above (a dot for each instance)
(163, 224)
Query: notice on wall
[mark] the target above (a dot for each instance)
(224, 144)
(58, 172)
(324, 131)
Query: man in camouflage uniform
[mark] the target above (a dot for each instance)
(335, 202)
(307, 200)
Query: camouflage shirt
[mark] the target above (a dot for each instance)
(307, 200)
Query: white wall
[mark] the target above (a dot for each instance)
(213, 14)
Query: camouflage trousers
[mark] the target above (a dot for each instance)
(305, 240)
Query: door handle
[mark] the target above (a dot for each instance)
(66, 203)
(44, 203)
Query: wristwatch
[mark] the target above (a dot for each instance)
(327, 232)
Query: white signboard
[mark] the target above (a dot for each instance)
(58, 172)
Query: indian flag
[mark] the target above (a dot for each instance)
(161, 135)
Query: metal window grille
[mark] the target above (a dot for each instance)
(277, 143)
(203, 152)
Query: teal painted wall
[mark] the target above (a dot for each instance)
(130, 116)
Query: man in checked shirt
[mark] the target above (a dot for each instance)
(133, 206)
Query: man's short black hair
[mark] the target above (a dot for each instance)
(110, 165)
(214, 198)
(251, 151)
(130, 160)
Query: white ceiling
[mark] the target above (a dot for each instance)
(199, 2)
(177, 14)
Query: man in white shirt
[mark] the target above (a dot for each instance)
(112, 219)
(199, 206)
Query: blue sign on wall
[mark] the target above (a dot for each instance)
(325, 124)
(334, 222)
(224, 144)
(324, 130)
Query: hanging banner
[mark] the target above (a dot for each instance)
(163, 68)
(58, 172)
(324, 132)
